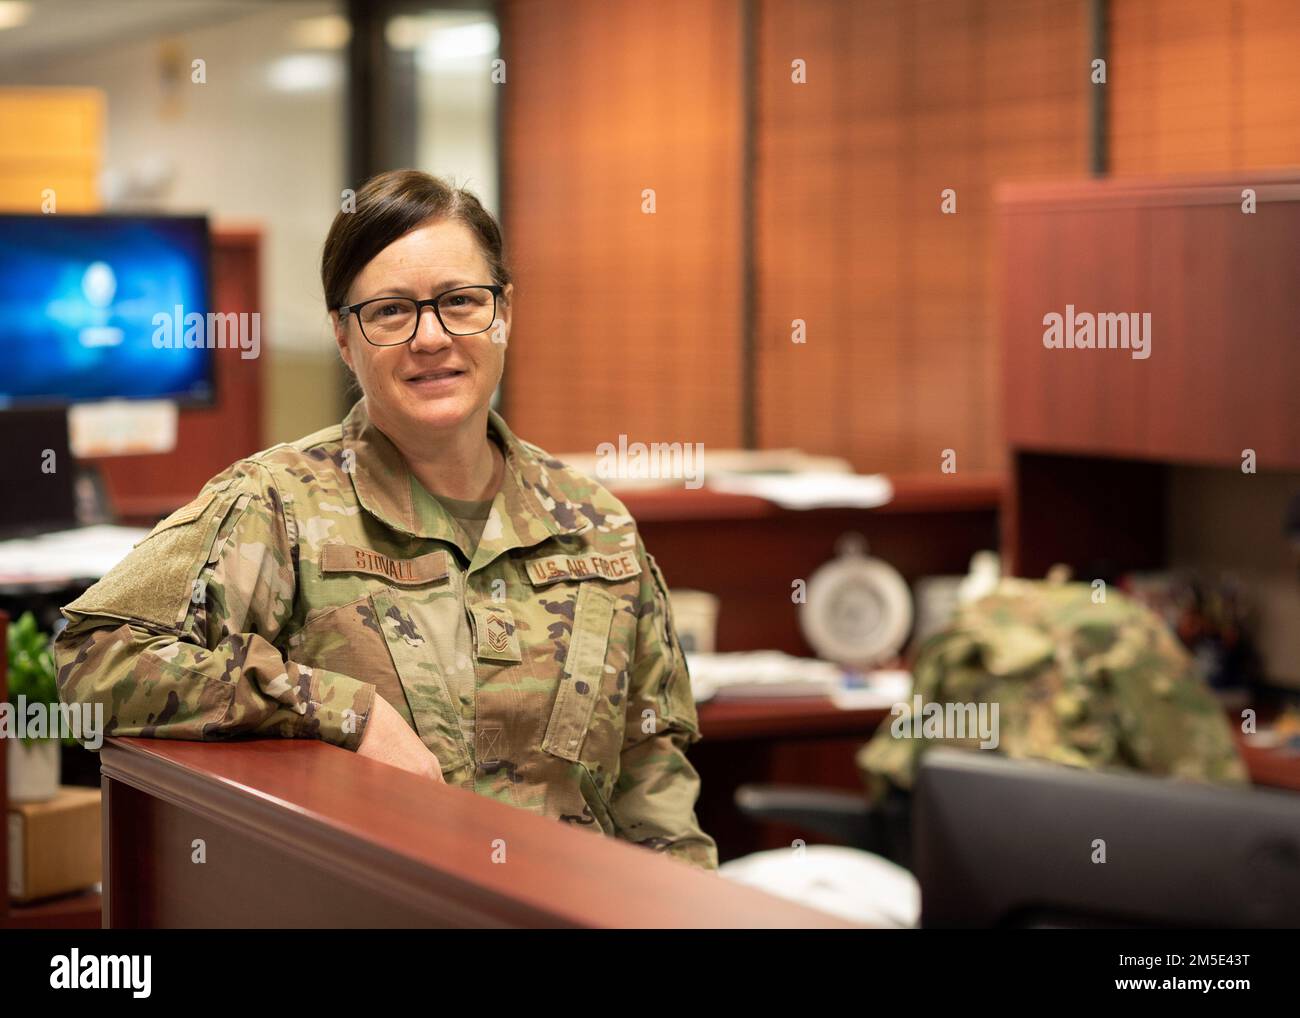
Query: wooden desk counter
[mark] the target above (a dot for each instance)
(1273, 767)
(298, 833)
(748, 551)
(784, 718)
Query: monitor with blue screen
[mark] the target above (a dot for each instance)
(80, 298)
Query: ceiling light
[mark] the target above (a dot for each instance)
(14, 13)
(329, 31)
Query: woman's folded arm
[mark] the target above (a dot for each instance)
(178, 640)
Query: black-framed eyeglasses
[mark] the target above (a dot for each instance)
(392, 321)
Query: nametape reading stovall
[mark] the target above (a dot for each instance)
(540, 667)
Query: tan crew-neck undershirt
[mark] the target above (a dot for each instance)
(470, 515)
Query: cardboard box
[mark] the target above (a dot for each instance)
(54, 846)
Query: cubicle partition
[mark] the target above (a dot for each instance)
(299, 833)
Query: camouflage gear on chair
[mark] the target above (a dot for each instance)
(1084, 684)
(542, 670)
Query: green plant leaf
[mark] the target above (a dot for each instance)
(32, 672)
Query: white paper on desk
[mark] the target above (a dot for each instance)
(83, 553)
(808, 489)
(760, 674)
(884, 688)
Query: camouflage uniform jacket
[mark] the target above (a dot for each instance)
(1095, 685)
(542, 670)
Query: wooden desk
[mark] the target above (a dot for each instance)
(298, 833)
(748, 551)
(1271, 767)
(784, 718)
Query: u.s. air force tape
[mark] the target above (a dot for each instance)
(589, 566)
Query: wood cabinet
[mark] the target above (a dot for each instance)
(1094, 433)
(1222, 287)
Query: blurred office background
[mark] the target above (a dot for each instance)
(775, 201)
(798, 152)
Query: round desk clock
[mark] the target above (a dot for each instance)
(859, 610)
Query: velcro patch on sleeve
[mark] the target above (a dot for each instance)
(346, 558)
(588, 566)
(185, 514)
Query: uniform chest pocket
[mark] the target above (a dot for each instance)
(584, 673)
(428, 638)
(401, 627)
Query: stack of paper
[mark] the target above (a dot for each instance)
(809, 489)
(760, 674)
(768, 674)
(86, 553)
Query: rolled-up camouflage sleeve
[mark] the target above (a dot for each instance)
(654, 799)
(179, 640)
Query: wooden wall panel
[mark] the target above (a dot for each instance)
(902, 100)
(1204, 85)
(625, 323)
(51, 138)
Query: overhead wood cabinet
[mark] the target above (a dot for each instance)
(1093, 432)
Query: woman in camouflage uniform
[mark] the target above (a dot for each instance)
(416, 584)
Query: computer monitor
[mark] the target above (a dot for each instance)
(1000, 842)
(89, 307)
(37, 475)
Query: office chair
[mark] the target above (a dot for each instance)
(884, 828)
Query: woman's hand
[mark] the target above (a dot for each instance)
(391, 740)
